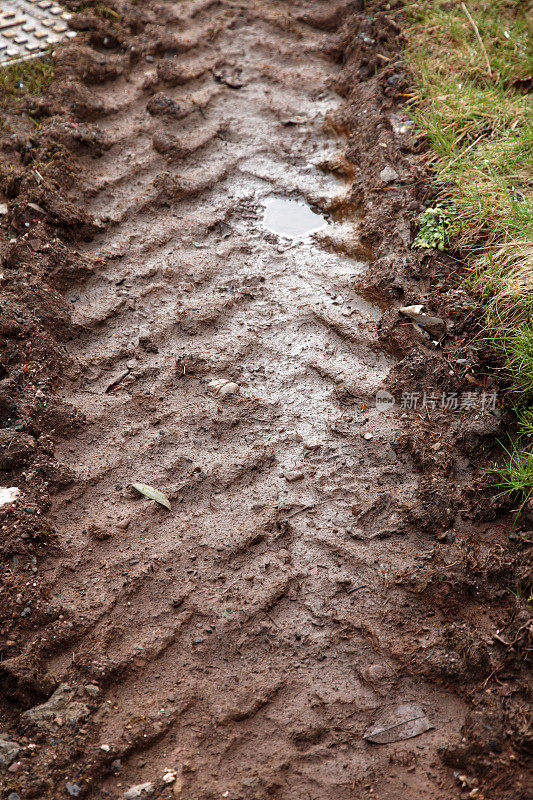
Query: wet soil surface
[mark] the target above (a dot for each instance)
(229, 316)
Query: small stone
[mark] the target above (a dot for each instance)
(92, 690)
(297, 475)
(13, 796)
(393, 80)
(105, 748)
(57, 709)
(150, 60)
(221, 387)
(376, 672)
(8, 494)
(9, 750)
(123, 524)
(73, 789)
(169, 776)
(3, 209)
(388, 174)
(368, 436)
(141, 790)
(198, 640)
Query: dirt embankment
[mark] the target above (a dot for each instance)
(323, 561)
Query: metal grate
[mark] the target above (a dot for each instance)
(29, 27)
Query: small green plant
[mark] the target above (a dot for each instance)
(434, 227)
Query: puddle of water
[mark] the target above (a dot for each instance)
(291, 218)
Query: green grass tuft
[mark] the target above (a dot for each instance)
(25, 77)
(516, 477)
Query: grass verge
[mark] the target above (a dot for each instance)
(472, 105)
(25, 77)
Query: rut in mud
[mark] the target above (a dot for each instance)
(248, 638)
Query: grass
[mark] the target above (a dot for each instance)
(516, 477)
(108, 13)
(472, 107)
(26, 77)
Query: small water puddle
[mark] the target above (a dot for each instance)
(291, 218)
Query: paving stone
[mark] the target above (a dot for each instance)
(29, 27)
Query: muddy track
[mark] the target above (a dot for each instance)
(249, 637)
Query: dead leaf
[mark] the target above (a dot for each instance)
(399, 722)
(152, 494)
(117, 380)
(433, 325)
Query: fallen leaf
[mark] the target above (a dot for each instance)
(434, 325)
(153, 494)
(398, 722)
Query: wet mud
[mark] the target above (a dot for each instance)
(224, 254)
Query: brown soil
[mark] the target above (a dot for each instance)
(323, 560)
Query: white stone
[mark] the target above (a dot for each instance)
(8, 494)
(138, 791)
(222, 387)
(388, 174)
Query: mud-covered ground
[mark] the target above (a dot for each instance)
(325, 561)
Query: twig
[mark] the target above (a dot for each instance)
(299, 511)
(480, 40)
(356, 588)
(481, 686)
